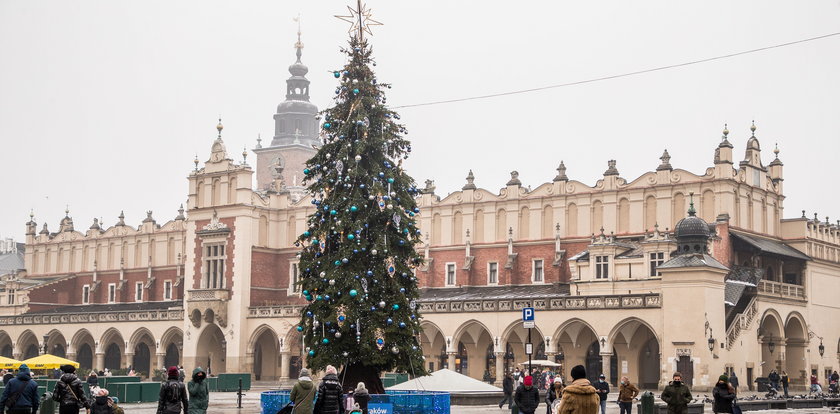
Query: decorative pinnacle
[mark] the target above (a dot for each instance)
(470, 185)
(244, 155)
(725, 130)
(691, 211)
(220, 127)
(259, 141)
(752, 128)
(196, 162)
(298, 44)
(31, 214)
(561, 172)
(776, 151)
(67, 210)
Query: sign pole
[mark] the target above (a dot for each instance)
(529, 354)
(528, 323)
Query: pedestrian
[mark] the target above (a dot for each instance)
(102, 403)
(199, 392)
(627, 392)
(815, 384)
(68, 392)
(329, 393)
(21, 394)
(527, 396)
(303, 393)
(347, 400)
(785, 382)
(555, 393)
(173, 394)
(487, 377)
(507, 389)
(579, 397)
(108, 372)
(724, 394)
(362, 397)
(733, 381)
(182, 375)
(603, 389)
(7, 376)
(774, 379)
(677, 395)
(92, 380)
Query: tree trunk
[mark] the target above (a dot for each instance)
(357, 372)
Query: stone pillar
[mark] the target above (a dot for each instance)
(17, 355)
(129, 360)
(159, 360)
(779, 353)
(450, 359)
(500, 368)
(605, 365)
(285, 357)
(71, 356)
(99, 361)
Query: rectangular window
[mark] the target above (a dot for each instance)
(450, 274)
(11, 297)
(294, 278)
(138, 292)
(602, 267)
(656, 259)
(492, 273)
(214, 266)
(537, 271)
(86, 294)
(167, 290)
(112, 293)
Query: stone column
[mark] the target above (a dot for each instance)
(605, 365)
(450, 359)
(159, 360)
(285, 357)
(71, 356)
(129, 360)
(17, 355)
(779, 357)
(99, 363)
(500, 368)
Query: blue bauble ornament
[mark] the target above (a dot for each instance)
(307, 233)
(327, 297)
(353, 293)
(319, 297)
(309, 298)
(372, 308)
(381, 174)
(353, 209)
(325, 341)
(402, 325)
(351, 236)
(389, 321)
(402, 290)
(396, 307)
(327, 125)
(300, 328)
(312, 353)
(315, 242)
(309, 313)
(305, 293)
(402, 242)
(337, 74)
(306, 171)
(370, 272)
(390, 180)
(333, 212)
(337, 262)
(355, 91)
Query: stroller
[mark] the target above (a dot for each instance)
(772, 391)
(833, 387)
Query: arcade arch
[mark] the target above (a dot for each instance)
(27, 345)
(470, 344)
(265, 352)
(434, 346)
(143, 346)
(210, 352)
(796, 343)
(82, 345)
(572, 340)
(515, 337)
(112, 345)
(770, 333)
(56, 344)
(171, 347)
(6, 345)
(636, 352)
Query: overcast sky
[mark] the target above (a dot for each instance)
(104, 104)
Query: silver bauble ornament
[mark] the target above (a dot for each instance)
(358, 158)
(338, 334)
(382, 304)
(332, 282)
(395, 350)
(374, 252)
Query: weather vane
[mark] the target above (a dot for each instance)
(360, 20)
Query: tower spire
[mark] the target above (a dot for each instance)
(298, 44)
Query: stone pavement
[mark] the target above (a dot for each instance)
(225, 403)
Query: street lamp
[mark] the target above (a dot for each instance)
(711, 343)
(821, 348)
(771, 346)
(46, 347)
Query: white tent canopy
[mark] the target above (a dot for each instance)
(446, 380)
(540, 363)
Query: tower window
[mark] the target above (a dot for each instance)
(85, 294)
(112, 293)
(602, 267)
(537, 271)
(138, 292)
(214, 266)
(167, 290)
(656, 259)
(492, 273)
(450, 274)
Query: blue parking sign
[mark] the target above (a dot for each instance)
(527, 314)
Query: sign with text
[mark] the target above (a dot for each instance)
(529, 348)
(380, 408)
(528, 318)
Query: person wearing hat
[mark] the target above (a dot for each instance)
(603, 390)
(21, 393)
(102, 403)
(68, 392)
(199, 392)
(527, 397)
(329, 393)
(579, 397)
(677, 395)
(173, 394)
(724, 395)
(303, 393)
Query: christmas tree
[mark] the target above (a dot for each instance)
(358, 252)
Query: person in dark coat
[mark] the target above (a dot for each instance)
(785, 382)
(199, 392)
(774, 379)
(173, 394)
(26, 390)
(69, 392)
(724, 395)
(101, 403)
(362, 397)
(603, 389)
(93, 379)
(733, 381)
(677, 396)
(7, 376)
(329, 393)
(527, 396)
(555, 392)
(303, 393)
(507, 388)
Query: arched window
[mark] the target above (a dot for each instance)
(524, 223)
(436, 229)
(232, 191)
(624, 216)
(547, 222)
(597, 216)
(291, 231)
(199, 193)
(501, 224)
(707, 203)
(650, 213)
(478, 226)
(678, 210)
(263, 230)
(457, 228)
(282, 126)
(216, 192)
(572, 220)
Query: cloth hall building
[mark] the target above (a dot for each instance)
(738, 288)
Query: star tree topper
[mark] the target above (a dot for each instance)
(360, 20)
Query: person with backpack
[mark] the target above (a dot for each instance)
(199, 392)
(173, 394)
(329, 393)
(68, 392)
(21, 394)
(362, 397)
